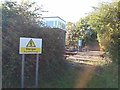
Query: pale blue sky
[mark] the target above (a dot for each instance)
(69, 10)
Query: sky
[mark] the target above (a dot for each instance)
(68, 10)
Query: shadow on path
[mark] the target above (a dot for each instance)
(85, 77)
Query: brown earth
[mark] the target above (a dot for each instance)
(86, 63)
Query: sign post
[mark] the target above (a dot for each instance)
(22, 71)
(30, 46)
(37, 63)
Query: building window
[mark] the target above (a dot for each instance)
(50, 23)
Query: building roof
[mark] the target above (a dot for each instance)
(54, 17)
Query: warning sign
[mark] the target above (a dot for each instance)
(30, 46)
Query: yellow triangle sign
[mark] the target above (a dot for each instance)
(31, 44)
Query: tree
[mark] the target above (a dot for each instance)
(21, 14)
(104, 20)
(84, 31)
(70, 33)
(18, 21)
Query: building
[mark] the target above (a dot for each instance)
(55, 22)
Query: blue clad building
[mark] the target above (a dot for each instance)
(55, 22)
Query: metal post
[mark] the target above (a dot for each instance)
(22, 71)
(37, 62)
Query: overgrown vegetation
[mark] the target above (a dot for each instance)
(104, 77)
(104, 22)
(70, 33)
(18, 21)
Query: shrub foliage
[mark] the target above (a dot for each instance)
(51, 61)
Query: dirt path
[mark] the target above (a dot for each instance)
(89, 60)
(89, 57)
(84, 78)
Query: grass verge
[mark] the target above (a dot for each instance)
(104, 77)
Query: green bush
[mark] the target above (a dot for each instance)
(114, 47)
(51, 60)
(16, 24)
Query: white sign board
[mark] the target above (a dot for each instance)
(79, 42)
(30, 45)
